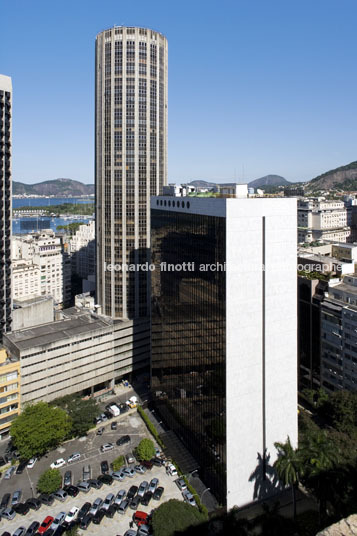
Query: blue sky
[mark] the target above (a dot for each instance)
(255, 86)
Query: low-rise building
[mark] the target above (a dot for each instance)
(30, 312)
(9, 391)
(320, 219)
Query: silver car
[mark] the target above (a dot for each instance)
(143, 488)
(58, 520)
(128, 471)
(67, 479)
(20, 531)
(120, 497)
(153, 485)
(9, 472)
(108, 501)
(95, 506)
(86, 472)
(8, 514)
(16, 497)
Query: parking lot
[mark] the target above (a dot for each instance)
(89, 448)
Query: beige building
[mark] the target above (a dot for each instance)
(26, 279)
(131, 160)
(319, 219)
(42, 251)
(9, 391)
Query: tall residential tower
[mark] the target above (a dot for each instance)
(5, 203)
(131, 161)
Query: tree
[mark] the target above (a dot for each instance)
(38, 429)
(72, 531)
(118, 463)
(174, 516)
(288, 467)
(82, 412)
(343, 406)
(49, 481)
(146, 449)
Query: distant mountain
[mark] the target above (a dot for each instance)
(58, 187)
(342, 178)
(269, 180)
(203, 184)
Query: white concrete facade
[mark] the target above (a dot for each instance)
(320, 219)
(82, 250)
(26, 279)
(261, 332)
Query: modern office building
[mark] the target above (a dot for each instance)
(130, 162)
(339, 336)
(5, 203)
(224, 335)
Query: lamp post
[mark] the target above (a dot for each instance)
(203, 492)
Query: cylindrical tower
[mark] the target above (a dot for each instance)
(130, 161)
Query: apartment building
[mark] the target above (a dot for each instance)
(26, 279)
(43, 251)
(320, 219)
(82, 352)
(81, 248)
(9, 391)
(5, 202)
(339, 336)
(224, 335)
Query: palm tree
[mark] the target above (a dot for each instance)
(288, 467)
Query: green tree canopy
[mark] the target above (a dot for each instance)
(173, 516)
(82, 412)
(49, 481)
(288, 466)
(118, 463)
(38, 429)
(145, 450)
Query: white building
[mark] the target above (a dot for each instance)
(319, 219)
(45, 251)
(339, 336)
(178, 190)
(82, 250)
(224, 335)
(26, 279)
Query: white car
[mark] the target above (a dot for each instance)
(58, 463)
(171, 470)
(72, 514)
(31, 463)
(106, 447)
(76, 456)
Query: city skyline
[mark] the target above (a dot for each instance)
(264, 96)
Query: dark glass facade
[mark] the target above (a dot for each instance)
(188, 336)
(5, 211)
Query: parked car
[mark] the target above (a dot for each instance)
(118, 475)
(132, 492)
(140, 469)
(128, 471)
(130, 458)
(9, 472)
(130, 532)
(85, 522)
(31, 463)
(188, 497)
(100, 430)
(144, 530)
(103, 417)
(123, 440)
(106, 447)
(71, 490)
(5, 500)
(60, 495)
(171, 470)
(181, 484)
(95, 483)
(31, 531)
(47, 499)
(58, 520)
(98, 517)
(108, 501)
(84, 486)
(74, 457)
(34, 504)
(16, 497)
(120, 497)
(147, 498)
(123, 506)
(105, 479)
(114, 425)
(135, 502)
(86, 472)
(83, 511)
(72, 515)
(8, 514)
(67, 479)
(158, 493)
(104, 467)
(153, 485)
(21, 531)
(58, 463)
(140, 518)
(95, 506)
(123, 408)
(158, 462)
(143, 488)
(20, 468)
(46, 523)
(111, 511)
(22, 508)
